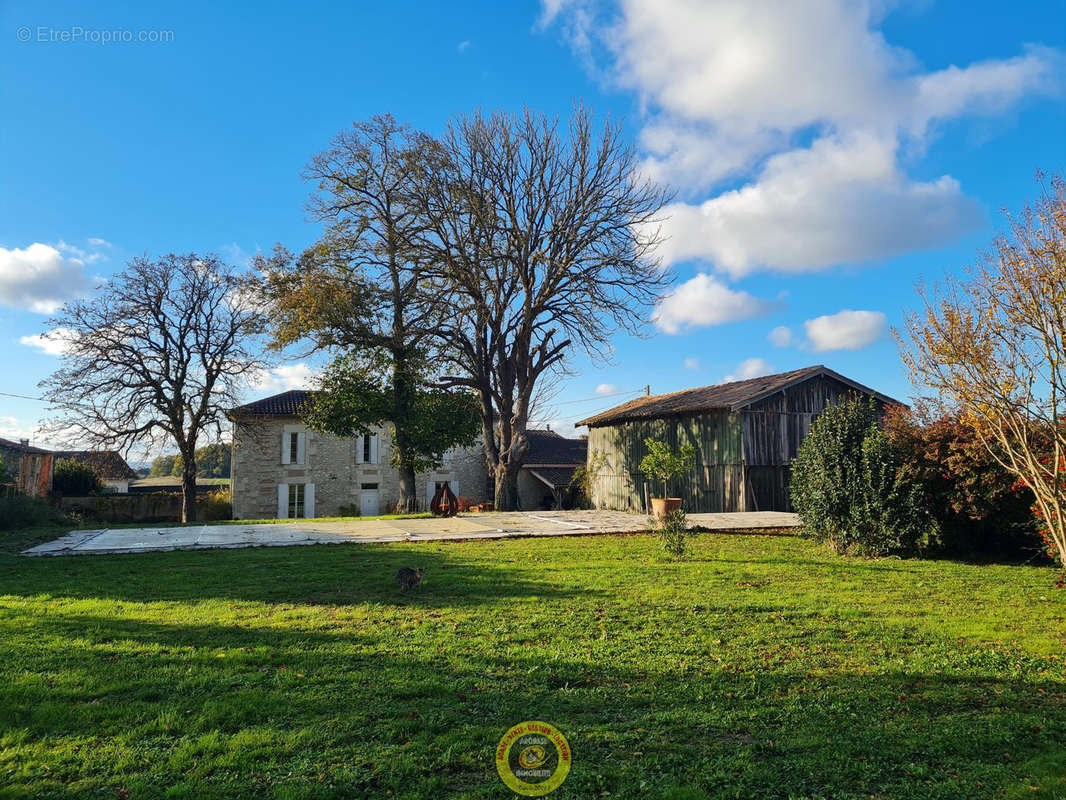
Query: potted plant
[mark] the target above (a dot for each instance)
(663, 464)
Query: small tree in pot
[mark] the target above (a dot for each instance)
(663, 464)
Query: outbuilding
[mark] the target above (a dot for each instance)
(745, 433)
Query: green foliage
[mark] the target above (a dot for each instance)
(673, 534)
(3, 470)
(580, 487)
(162, 467)
(212, 461)
(663, 464)
(357, 394)
(19, 511)
(73, 478)
(216, 505)
(979, 508)
(849, 490)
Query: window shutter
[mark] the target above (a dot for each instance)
(431, 489)
(374, 449)
(301, 448)
(284, 447)
(283, 501)
(454, 486)
(309, 500)
(359, 449)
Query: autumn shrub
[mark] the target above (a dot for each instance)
(979, 507)
(215, 505)
(850, 490)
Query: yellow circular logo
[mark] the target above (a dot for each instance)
(533, 758)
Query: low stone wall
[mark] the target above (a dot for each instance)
(143, 507)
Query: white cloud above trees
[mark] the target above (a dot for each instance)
(810, 107)
(704, 300)
(845, 330)
(40, 277)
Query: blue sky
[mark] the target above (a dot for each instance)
(825, 157)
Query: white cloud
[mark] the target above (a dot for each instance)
(692, 363)
(780, 336)
(845, 330)
(704, 300)
(806, 102)
(606, 388)
(55, 342)
(840, 201)
(288, 376)
(40, 278)
(463, 45)
(99, 243)
(749, 368)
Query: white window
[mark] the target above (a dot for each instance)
(293, 446)
(296, 500)
(366, 449)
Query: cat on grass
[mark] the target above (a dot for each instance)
(409, 578)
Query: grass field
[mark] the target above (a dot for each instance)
(764, 667)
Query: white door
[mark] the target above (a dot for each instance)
(368, 503)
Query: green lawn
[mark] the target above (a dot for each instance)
(765, 667)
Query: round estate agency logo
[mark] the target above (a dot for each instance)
(533, 758)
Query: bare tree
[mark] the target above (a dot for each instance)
(545, 240)
(155, 356)
(361, 294)
(992, 344)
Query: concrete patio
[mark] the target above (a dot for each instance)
(465, 526)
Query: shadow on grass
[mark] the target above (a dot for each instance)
(307, 574)
(232, 711)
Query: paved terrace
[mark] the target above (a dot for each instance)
(466, 526)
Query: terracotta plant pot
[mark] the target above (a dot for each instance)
(661, 506)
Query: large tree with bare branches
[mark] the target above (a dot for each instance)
(992, 344)
(362, 295)
(155, 357)
(543, 235)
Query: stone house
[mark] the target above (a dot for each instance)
(745, 434)
(282, 469)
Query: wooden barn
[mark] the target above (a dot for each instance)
(745, 433)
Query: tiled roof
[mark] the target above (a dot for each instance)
(723, 395)
(7, 444)
(548, 447)
(555, 477)
(286, 404)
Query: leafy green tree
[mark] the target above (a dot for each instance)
(663, 464)
(212, 461)
(3, 470)
(849, 488)
(163, 466)
(73, 478)
(361, 294)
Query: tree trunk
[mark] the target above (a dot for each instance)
(188, 487)
(408, 501)
(506, 487)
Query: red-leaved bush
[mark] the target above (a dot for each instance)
(979, 506)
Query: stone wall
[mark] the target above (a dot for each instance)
(333, 466)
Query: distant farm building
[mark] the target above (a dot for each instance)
(745, 434)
